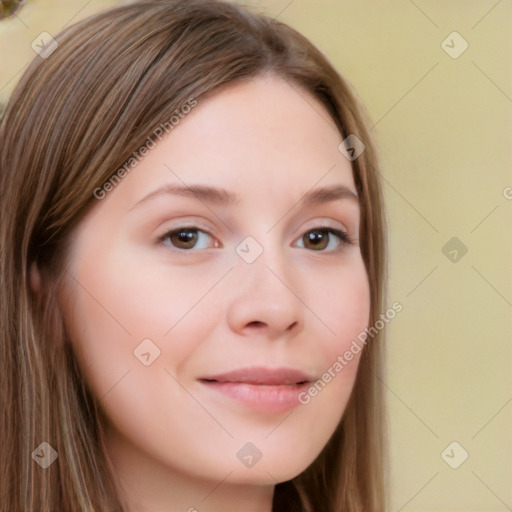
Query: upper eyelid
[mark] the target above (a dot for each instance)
(199, 227)
(313, 224)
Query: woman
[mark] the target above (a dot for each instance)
(192, 254)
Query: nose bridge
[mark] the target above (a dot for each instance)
(264, 261)
(266, 295)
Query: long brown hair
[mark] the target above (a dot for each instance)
(74, 118)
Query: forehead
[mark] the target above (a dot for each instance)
(263, 138)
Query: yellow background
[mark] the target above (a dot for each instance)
(443, 126)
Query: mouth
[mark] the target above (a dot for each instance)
(261, 376)
(263, 389)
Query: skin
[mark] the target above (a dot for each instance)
(172, 441)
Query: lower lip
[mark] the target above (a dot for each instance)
(268, 399)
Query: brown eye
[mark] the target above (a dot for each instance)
(185, 238)
(320, 239)
(317, 239)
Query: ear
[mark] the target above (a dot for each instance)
(35, 278)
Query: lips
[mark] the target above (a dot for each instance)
(261, 376)
(261, 389)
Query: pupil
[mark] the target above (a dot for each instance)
(317, 237)
(187, 237)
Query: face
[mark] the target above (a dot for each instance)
(214, 284)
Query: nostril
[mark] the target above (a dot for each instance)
(256, 323)
(292, 326)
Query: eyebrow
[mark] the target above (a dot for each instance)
(220, 196)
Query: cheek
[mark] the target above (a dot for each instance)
(350, 316)
(115, 304)
(121, 300)
(344, 310)
(343, 305)
(115, 315)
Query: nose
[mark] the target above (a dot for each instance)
(268, 300)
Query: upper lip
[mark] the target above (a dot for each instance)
(259, 375)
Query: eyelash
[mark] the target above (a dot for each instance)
(344, 238)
